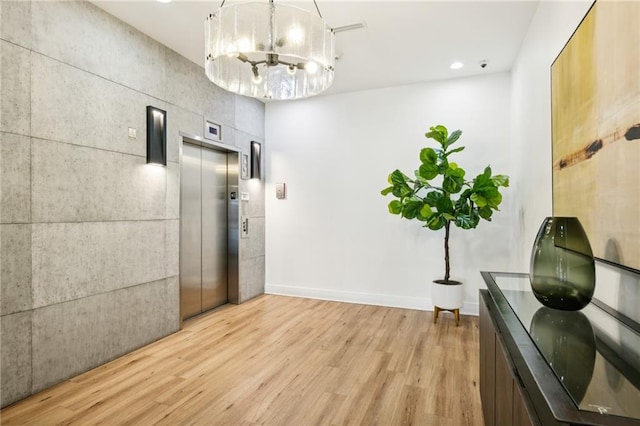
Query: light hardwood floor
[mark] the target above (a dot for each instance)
(281, 361)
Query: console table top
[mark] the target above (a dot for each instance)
(594, 353)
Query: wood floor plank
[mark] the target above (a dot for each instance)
(281, 361)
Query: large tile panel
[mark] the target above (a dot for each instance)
(250, 116)
(15, 357)
(252, 277)
(70, 105)
(189, 88)
(15, 268)
(15, 22)
(85, 36)
(73, 183)
(181, 120)
(173, 191)
(171, 300)
(172, 250)
(255, 205)
(15, 89)
(253, 245)
(15, 178)
(74, 260)
(72, 337)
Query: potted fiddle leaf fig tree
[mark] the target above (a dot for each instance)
(440, 195)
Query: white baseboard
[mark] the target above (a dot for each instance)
(419, 303)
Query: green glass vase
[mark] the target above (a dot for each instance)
(562, 271)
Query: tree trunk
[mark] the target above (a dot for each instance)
(446, 250)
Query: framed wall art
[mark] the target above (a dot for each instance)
(244, 166)
(595, 91)
(212, 131)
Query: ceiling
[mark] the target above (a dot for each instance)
(404, 42)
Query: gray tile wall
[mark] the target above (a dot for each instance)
(89, 233)
(252, 248)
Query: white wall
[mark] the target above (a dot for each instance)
(550, 29)
(333, 237)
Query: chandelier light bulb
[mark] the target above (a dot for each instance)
(291, 69)
(311, 67)
(257, 78)
(295, 35)
(244, 45)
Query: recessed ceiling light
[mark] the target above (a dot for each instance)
(456, 65)
(163, 1)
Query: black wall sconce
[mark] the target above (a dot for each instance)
(156, 136)
(256, 157)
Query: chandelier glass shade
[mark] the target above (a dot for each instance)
(267, 50)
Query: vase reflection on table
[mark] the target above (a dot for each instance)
(562, 271)
(568, 343)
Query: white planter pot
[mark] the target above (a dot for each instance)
(447, 297)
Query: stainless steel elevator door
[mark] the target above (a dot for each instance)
(203, 230)
(190, 231)
(214, 229)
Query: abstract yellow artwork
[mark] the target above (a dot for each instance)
(595, 87)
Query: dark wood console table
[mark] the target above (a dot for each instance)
(540, 366)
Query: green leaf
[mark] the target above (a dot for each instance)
(448, 216)
(454, 137)
(426, 211)
(494, 201)
(432, 198)
(463, 206)
(466, 221)
(438, 133)
(452, 184)
(453, 151)
(428, 156)
(411, 209)
(500, 180)
(444, 205)
(427, 171)
(398, 178)
(395, 207)
(436, 222)
(443, 166)
(424, 182)
(454, 179)
(455, 171)
(482, 182)
(405, 191)
(485, 212)
(387, 190)
(478, 199)
(397, 191)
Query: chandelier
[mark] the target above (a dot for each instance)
(267, 50)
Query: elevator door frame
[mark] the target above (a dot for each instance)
(233, 213)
